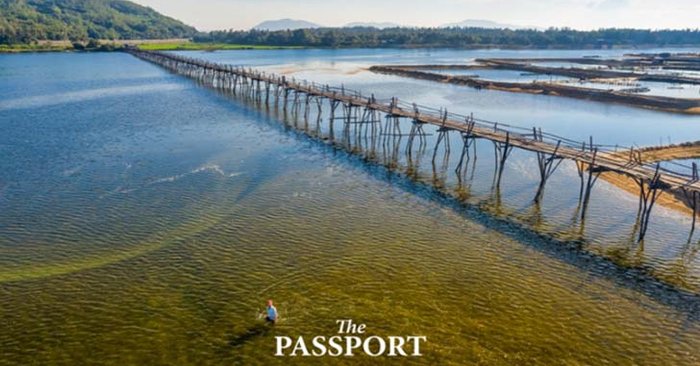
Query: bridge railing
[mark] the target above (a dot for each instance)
(680, 170)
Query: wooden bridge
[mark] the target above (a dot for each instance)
(591, 159)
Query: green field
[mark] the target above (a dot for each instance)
(14, 48)
(148, 45)
(193, 46)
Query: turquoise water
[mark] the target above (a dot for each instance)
(145, 220)
(575, 119)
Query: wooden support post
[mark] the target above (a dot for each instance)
(374, 132)
(307, 101)
(547, 164)
(691, 198)
(581, 169)
(248, 83)
(334, 106)
(286, 98)
(278, 91)
(649, 193)
(694, 206)
(395, 141)
(319, 113)
(502, 151)
(296, 103)
(468, 139)
(347, 116)
(416, 129)
(386, 133)
(443, 134)
(593, 175)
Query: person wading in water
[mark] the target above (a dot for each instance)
(272, 315)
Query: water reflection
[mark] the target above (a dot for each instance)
(272, 213)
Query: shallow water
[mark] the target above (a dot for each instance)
(686, 91)
(513, 76)
(145, 220)
(668, 70)
(576, 119)
(673, 90)
(652, 88)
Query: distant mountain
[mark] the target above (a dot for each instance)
(480, 23)
(284, 24)
(372, 25)
(23, 21)
(291, 24)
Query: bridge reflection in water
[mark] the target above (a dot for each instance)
(373, 127)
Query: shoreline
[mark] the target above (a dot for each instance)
(674, 199)
(177, 44)
(652, 102)
(186, 45)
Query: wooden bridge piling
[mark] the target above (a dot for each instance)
(443, 135)
(547, 164)
(468, 140)
(593, 175)
(649, 193)
(502, 150)
(416, 130)
(362, 128)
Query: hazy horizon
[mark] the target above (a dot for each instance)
(579, 14)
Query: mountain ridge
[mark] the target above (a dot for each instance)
(285, 24)
(378, 25)
(294, 24)
(483, 23)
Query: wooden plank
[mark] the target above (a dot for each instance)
(601, 162)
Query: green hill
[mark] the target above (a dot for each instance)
(24, 21)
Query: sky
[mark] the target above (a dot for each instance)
(579, 14)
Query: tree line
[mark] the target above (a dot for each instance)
(455, 37)
(27, 21)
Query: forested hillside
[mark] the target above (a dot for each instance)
(457, 37)
(24, 21)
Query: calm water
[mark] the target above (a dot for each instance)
(686, 91)
(145, 220)
(513, 76)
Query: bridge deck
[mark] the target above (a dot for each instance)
(591, 156)
(603, 160)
